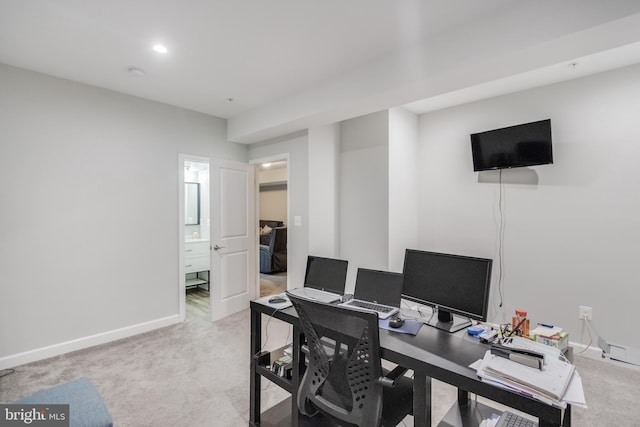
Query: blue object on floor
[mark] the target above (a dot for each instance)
(86, 407)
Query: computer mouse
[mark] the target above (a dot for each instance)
(396, 322)
(277, 299)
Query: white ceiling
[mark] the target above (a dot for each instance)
(287, 65)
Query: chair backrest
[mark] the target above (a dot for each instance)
(347, 384)
(326, 273)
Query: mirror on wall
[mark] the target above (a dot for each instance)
(192, 203)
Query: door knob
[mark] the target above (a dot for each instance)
(216, 247)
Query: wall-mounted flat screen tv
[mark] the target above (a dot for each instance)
(528, 144)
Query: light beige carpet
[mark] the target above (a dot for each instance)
(273, 283)
(197, 374)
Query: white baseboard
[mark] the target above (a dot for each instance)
(594, 352)
(14, 360)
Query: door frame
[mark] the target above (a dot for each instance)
(256, 163)
(182, 158)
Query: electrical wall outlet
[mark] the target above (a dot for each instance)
(585, 313)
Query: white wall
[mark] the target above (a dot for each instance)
(273, 205)
(324, 177)
(364, 193)
(571, 238)
(295, 146)
(89, 218)
(403, 185)
(273, 198)
(274, 175)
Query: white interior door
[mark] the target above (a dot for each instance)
(233, 234)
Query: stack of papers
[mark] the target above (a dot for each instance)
(558, 383)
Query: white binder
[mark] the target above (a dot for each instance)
(551, 382)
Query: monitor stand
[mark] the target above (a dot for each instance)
(446, 321)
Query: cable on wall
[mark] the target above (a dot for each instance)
(586, 325)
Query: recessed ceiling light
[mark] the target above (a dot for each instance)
(266, 165)
(160, 48)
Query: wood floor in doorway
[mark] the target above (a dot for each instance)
(197, 304)
(197, 299)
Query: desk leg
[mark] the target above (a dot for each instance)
(463, 397)
(298, 368)
(421, 399)
(254, 377)
(566, 422)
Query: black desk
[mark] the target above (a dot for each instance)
(430, 354)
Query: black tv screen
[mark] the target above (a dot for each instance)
(517, 146)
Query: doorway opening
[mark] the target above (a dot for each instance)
(273, 214)
(195, 243)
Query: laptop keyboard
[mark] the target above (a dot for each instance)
(509, 419)
(370, 306)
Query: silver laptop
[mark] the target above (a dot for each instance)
(384, 311)
(323, 280)
(316, 294)
(380, 291)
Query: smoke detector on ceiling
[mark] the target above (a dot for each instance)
(136, 72)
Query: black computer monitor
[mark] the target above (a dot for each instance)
(327, 274)
(456, 286)
(381, 287)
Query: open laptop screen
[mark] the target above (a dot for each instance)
(381, 287)
(326, 274)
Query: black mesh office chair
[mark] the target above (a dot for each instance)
(351, 386)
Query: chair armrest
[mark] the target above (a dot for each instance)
(389, 380)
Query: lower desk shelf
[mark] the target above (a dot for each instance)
(280, 381)
(469, 414)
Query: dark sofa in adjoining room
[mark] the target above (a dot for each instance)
(265, 237)
(273, 247)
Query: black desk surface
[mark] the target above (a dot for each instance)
(454, 351)
(444, 356)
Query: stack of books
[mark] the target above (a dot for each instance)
(553, 336)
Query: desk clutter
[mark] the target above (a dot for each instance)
(523, 357)
(529, 361)
(543, 333)
(531, 368)
(279, 361)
